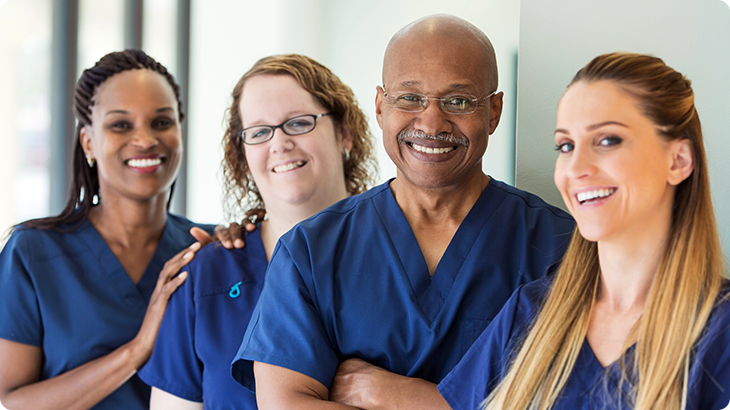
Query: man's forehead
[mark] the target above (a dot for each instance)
(452, 66)
(444, 85)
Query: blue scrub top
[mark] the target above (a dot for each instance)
(590, 385)
(68, 294)
(204, 324)
(352, 282)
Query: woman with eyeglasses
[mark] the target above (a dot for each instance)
(296, 143)
(82, 294)
(638, 315)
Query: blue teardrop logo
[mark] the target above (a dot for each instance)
(235, 290)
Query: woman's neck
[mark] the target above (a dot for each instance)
(628, 270)
(130, 223)
(281, 217)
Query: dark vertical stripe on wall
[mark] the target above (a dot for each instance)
(182, 71)
(513, 124)
(63, 81)
(133, 15)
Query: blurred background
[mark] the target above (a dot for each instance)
(222, 39)
(208, 45)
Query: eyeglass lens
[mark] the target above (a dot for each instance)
(455, 104)
(293, 126)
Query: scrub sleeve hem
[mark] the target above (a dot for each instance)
(169, 388)
(452, 399)
(242, 369)
(19, 339)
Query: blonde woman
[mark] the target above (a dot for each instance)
(638, 315)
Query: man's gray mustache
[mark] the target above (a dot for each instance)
(443, 136)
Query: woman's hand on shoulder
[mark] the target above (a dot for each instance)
(169, 280)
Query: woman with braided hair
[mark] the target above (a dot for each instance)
(638, 315)
(82, 294)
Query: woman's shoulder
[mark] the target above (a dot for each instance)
(720, 316)
(44, 243)
(522, 308)
(533, 294)
(215, 269)
(716, 335)
(710, 372)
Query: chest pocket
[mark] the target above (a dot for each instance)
(470, 331)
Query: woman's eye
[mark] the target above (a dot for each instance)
(120, 126)
(261, 133)
(163, 123)
(610, 141)
(300, 124)
(564, 147)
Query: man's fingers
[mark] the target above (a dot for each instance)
(201, 236)
(236, 234)
(223, 234)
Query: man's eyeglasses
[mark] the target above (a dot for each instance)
(453, 104)
(301, 124)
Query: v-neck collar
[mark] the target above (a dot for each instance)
(431, 292)
(593, 375)
(110, 267)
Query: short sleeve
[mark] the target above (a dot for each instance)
(174, 366)
(20, 314)
(286, 328)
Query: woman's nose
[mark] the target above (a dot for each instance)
(280, 142)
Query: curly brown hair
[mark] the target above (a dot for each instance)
(240, 194)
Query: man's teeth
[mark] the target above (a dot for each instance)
(596, 193)
(144, 163)
(428, 150)
(288, 167)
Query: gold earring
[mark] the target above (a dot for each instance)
(91, 161)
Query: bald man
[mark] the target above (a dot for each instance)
(402, 279)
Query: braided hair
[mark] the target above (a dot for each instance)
(85, 182)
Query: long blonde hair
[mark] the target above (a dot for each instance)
(684, 289)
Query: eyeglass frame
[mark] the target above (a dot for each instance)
(273, 128)
(441, 101)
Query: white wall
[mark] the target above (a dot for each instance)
(360, 31)
(349, 37)
(558, 37)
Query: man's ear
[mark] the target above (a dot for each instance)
(379, 97)
(682, 162)
(85, 140)
(496, 103)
